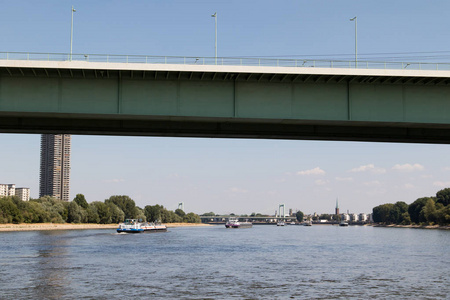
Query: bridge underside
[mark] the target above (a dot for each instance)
(225, 104)
(225, 128)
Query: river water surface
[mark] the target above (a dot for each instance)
(263, 262)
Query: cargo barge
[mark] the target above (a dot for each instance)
(134, 226)
(234, 223)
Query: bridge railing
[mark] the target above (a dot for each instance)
(225, 61)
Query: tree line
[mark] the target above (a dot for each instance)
(113, 210)
(423, 211)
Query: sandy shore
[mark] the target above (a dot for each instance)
(414, 226)
(53, 226)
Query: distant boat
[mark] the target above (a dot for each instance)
(343, 223)
(307, 223)
(234, 223)
(134, 226)
(281, 223)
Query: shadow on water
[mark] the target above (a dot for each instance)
(50, 280)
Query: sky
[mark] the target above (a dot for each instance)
(235, 175)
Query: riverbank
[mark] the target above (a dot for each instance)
(69, 226)
(414, 226)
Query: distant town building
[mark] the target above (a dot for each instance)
(55, 166)
(7, 189)
(337, 208)
(23, 193)
(345, 217)
(363, 217)
(354, 217)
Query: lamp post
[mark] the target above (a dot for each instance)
(215, 44)
(356, 41)
(71, 32)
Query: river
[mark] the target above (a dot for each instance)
(263, 262)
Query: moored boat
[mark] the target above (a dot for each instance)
(234, 223)
(307, 223)
(134, 226)
(343, 223)
(281, 223)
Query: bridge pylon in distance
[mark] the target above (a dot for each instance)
(282, 210)
(181, 205)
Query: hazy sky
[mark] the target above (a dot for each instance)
(231, 175)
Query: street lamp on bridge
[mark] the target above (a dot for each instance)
(356, 41)
(215, 44)
(71, 32)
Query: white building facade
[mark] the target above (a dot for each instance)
(7, 189)
(23, 193)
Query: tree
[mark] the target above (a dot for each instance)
(92, 214)
(9, 213)
(385, 213)
(140, 215)
(406, 219)
(117, 215)
(415, 208)
(75, 214)
(180, 212)
(396, 212)
(81, 201)
(443, 196)
(192, 218)
(208, 214)
(325, 217)
(299, 215)
(429, 211)
(153, 212)
(125, 203)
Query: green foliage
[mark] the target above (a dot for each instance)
(9, 213)
(299, 215)
(117, 215)
(126, 204)
(426, 210)
(192, 218)
(76, 214)
(326, 217)
(208, 214)
(180, 212)
(153, 212)
(157, 212)
(103, 212)
(168, 216)
(140, 215)
(405, 219)
(443, 197)
(81, 201)
(92, 213)
(429, 211)
(113, 210)
(384, 213)
(415, 209)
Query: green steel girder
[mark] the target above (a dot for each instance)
(225, 104)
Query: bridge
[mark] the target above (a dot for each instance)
(221, 219)
(235, 98)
